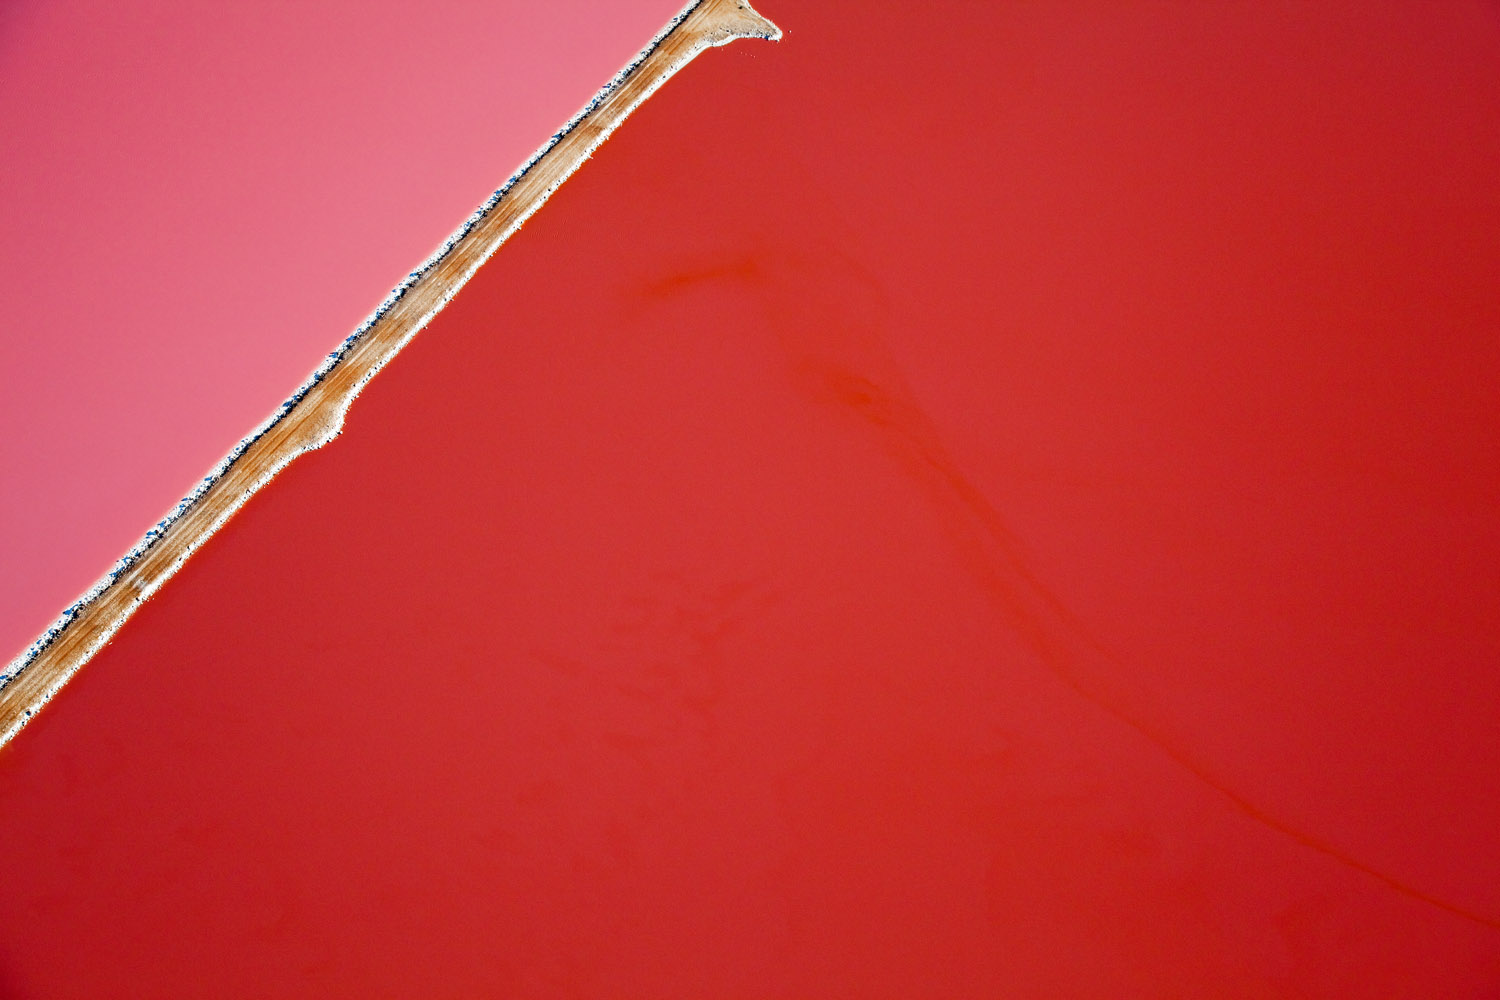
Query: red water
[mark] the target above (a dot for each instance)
(997, 501)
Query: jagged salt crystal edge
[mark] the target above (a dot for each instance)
(129, 559)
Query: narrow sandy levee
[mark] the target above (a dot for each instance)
(314, 415)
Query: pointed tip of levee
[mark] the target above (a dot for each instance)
(728, 20)
(756, 24)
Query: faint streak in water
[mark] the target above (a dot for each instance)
(835, 348)
(661, 647)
